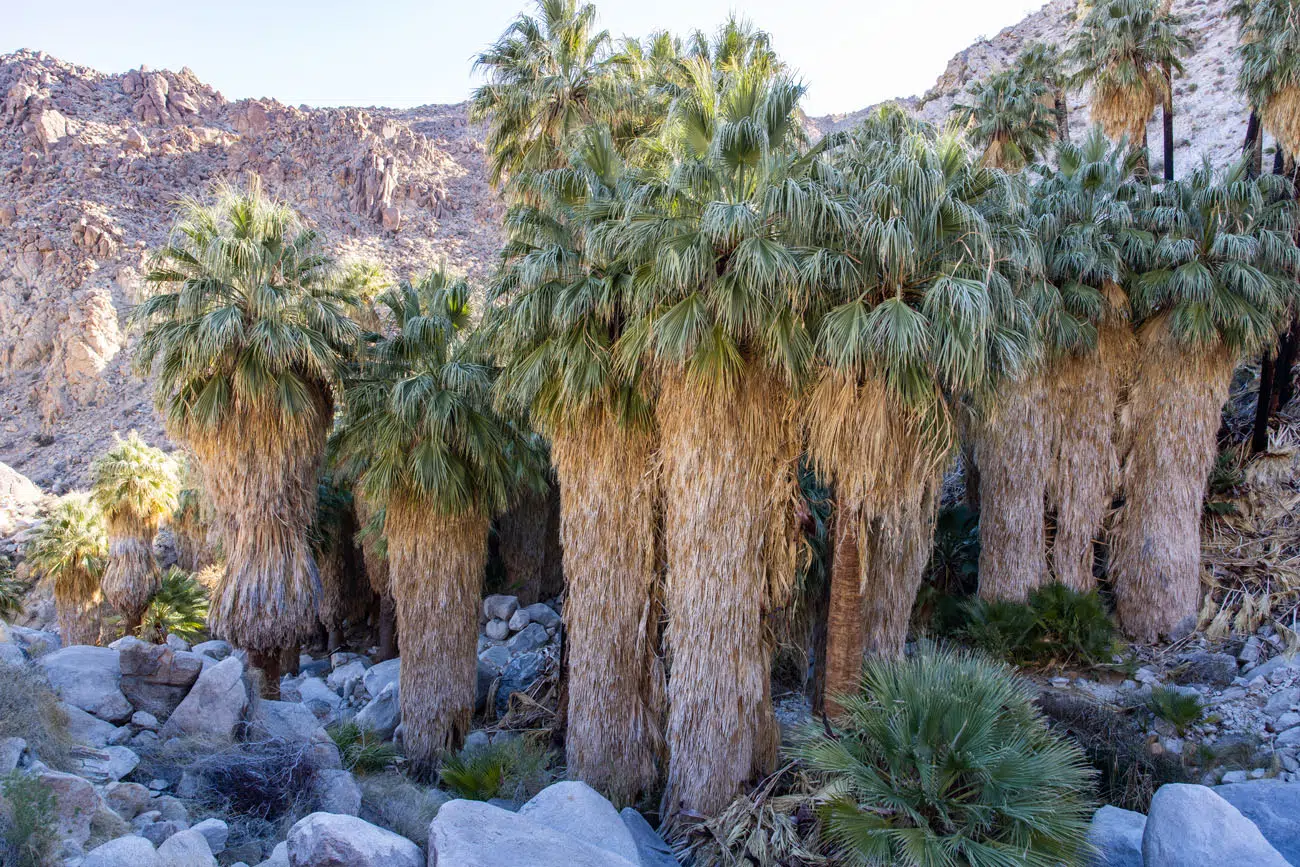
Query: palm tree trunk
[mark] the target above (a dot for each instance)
(1167, 122)
(132, 577)
(1284, 376)
(898, 547)
(1253, 147)
(845, 630)
(1175, 404)
(436, 565)
(1263, 405)
(1012, 451)
(728, 480)
(1062, 110)
(616, 682)
(387, 628)
(269, 664)
(524, 546)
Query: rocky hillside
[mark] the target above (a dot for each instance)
(89, 164)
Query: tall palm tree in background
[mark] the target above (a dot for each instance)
(424, 444)
(547, 79)
(912, 313)
(717, 240)
(1004, 115)
(70, 550)
(1222, 277)
(1269, 50)
(1128, 51)
(563, 311)
(1042, 63)
(249, 337)
(135, 487)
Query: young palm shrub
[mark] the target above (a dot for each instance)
(943, 759)
(1222, 280)
(421, 441)
(1269, 50)
(1005, 116)
(564, 309)
(178, 607)
(1127, 50)
(249, 337)
(135, 486)
(909, 315)
(70, 549)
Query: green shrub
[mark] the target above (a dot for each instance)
(511, 769)
(361, 750)
(955, 558)
(30, 710)
(180, 608)
(1181, 710)
(1056, 626)
(13, 593)
(944, 760)
(30, 836)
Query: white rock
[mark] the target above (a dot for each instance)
(129, 851)
(500, 607)
(287, 721)
(576, 809)
(337, 792)
(496, 629)
(216, 832)
(88, 678)
(86, 729)
(540, 612)
(519, 620)
(1191, 826)
(651, 848)
(329, 840)
(384, 712)
(1117, 836)
(476, 834)
(186, 849)
(215, 704)
(379, 676)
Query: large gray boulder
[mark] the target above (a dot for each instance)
(86, 729)
(155, 677)
(576, 809)
(650, 847)
(380, 675)
(1191, 826)
(329, 840)
(540, 612)
(88, 678)
(186, 849)
(476, 834)
(216, 832)
(35, 642)
(337, 792)
(383, 713)
(1117, 837)
(287, 721)
(1274, 807)
(215, 705)
(521, 673)
(129, 851)
(128, 800)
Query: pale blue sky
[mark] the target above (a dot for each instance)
(403, 52)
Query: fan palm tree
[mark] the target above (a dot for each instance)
(913, 312)
(70, 549)
(135, 487)
(423, 443)
(564, 310)
(547, 79)
(249, 337)
(1004, 115)
(1269, 49)
(191, 520)
(1220, 284)
(1128, 51)
(1042, 63)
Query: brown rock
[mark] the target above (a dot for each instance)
(155, 678)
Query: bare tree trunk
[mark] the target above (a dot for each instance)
(1167, 118)
(269, 664)
(1254, 144)
(387, 628)
(1263, 405)
(1284, 373)
(1062, 109)
(845, 630)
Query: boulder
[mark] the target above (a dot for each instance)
(75, 803)
(377, 677)
(86, 729)
(157, 677)
(500, 607)
(110, 764)
(519, 620)
(520, 674)
(652, 849)
(1191, 826)
(286, 721)
(1212, 669)
(126, 799)
(129, 851)
(337, 792)
(341, 675)
(531, 638)
(497, 657)
(578, 810)
(1117, 837)
(383, 713)
(476, 834)
(328, 840)
(34, 642)
(11, 754)
(540, 612)
(12, 654)
(88, 678)
(497, 630)
(313, 689)
(175, 642)
(216, 832)
(215, 649)
(186, 849)
(214, 706)
(1274, 807)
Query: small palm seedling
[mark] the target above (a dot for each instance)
(507, 769)
(1182, 710)
(361, 750)
(70, 550)
(179, 607)
(943, 759)
(1057, 625)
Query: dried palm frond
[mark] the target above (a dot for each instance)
(1281, 117)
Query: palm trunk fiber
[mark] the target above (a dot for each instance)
(845, 629)
(1155, 560)
(436, 565)
(616, 682)
(533, 571)
(1012, 450)
(131, 577)
(260, 471)
(728, 458)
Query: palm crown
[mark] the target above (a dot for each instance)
(71, 549)
(135, 482)
(1006, 116)
(1269, 50)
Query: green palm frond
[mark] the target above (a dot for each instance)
(134, 481)
(70, 547)
(179, 607)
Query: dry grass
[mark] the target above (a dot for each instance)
(1125, 110)
(729, 489)
(1155, 554)
(617, 699)
(1281, 117)
(436, 567)
(30, 710)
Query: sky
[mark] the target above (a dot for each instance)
(405, 52)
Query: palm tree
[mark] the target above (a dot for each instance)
(1041, 63)
(912, 314)
(70, 549)
(564, 311)
(135, 487)
(249, 337)
(1128, 50)
(547, 79)
(1005, 116)
(1222, 277)
(1269, 50)
(191, 520)
(423, 443)
(717, 238)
